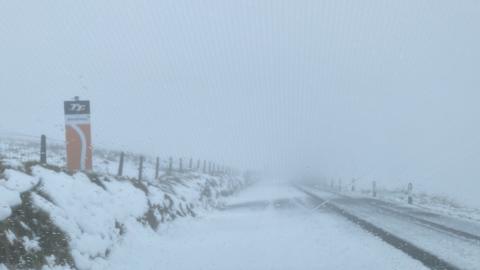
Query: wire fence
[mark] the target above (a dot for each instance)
(23, 148)
(352, 187)
(27, 148)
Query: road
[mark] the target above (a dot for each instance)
(264, 227)
(451, 241)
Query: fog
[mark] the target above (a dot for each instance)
(384, 90)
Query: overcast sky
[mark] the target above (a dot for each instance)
(374, 89)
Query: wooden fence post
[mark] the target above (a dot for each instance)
(140, 169)
(120, 165)
(198, 165)
(170, 165)
(374, 189)
(43, 149)
(180, 165)
(190, 164)
(204, 166)
(410, 190)
(157, 167)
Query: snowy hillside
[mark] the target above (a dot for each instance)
(50, 218)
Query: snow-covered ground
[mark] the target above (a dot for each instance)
(459, 202)
(50, 218)
(435, 203)
(100, 221)
(282, 235)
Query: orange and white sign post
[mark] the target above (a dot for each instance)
(78, 135)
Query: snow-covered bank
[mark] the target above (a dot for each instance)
(446, 202)
(51, 218)
(439, 204)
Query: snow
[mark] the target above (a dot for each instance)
(14, 183)
(87, 213)
(8, 199)
(5, 210)
(31, 244)
(18, 181)
(264, 191)
(463, 253)
(277, 236)
(438, 204)
(10, 236)
(267, 239)
(13, 163)
(96, 215)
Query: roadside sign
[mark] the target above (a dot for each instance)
(78, 135)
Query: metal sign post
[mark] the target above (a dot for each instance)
(78, 135)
